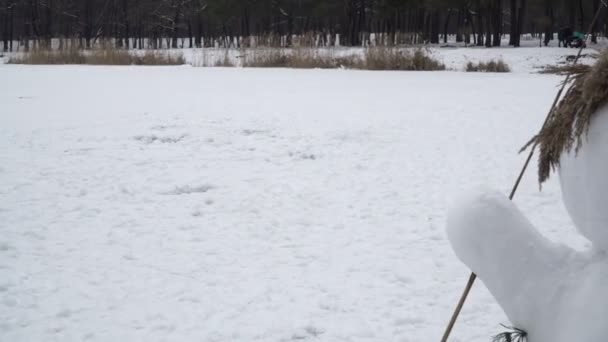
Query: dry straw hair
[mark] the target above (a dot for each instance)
(569, 123)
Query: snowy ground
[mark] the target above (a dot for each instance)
(204, 204)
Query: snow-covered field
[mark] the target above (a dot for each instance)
(210, 204)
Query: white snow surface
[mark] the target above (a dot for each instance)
(211, 204)
(547, 289)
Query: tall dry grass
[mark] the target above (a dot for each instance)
(374, 58)
(299, 58)
(320, 59)
(225, 61)
(392, 58)
(106, 56)
(568, 69)
(490, 66)
(44, 56)
(265, 58)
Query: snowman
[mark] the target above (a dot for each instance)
(550, 291)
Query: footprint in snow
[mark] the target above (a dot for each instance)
(404, 279)
(308, 156)
(162, 127)
(149, 139)
(188, 189)
(304, 156)
(308, 332)
(64, 313)
(5, 247)
(10, 302)
(248, 132)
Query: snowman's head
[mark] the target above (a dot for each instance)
(584, 181)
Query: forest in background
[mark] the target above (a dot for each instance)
(145, 24)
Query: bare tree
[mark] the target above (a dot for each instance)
(130, 23)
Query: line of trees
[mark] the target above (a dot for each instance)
(241, 23)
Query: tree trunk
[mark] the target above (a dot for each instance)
(199, 29)
(361, 20)
(34, 18)
(26, 35)
(480, 28)
(426, 30)
(497, 23)
(88, 22)
(488, 25)
(459, 27)
(5, 26)
(49, 23)
(581, 18)
(126, 22)
(445, 27)
(473, 29)
(289, 28)
(571, 9)
(520, 22)
(435, 27)
(11, 27)
(175, 27)
(550, 23)
(513, 22)
(190, 41)
(596, 5)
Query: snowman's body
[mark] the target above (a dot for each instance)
(551, 291)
